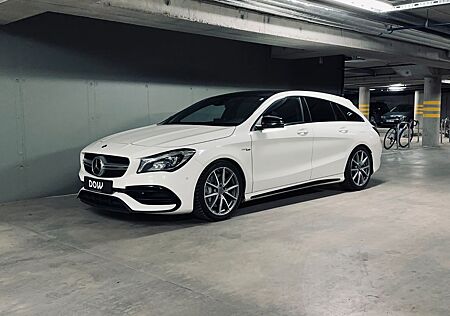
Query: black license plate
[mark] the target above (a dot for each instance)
(103, 186)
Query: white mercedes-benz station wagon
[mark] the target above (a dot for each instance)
(230, 148)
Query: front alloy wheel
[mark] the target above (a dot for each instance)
(219, 191)
(360, 170)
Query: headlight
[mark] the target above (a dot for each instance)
(168, 161)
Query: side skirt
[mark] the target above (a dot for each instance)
(297, 187)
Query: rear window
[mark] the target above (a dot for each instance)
(320, 110)
(326, 111)
(349, 114)
(338, 112)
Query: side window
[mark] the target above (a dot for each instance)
(289, 109)
(320, 109)
(349, 114)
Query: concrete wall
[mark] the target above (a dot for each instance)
(66, 81)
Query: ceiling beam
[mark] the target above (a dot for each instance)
(212, 19)
(217, 20)
(15, 10)
(379, 81)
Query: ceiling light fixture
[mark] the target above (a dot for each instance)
(446, 81)
(420, 4)
(369, 5)
(397, 87)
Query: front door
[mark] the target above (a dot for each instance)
(282, 156)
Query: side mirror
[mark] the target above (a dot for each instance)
(270, 121)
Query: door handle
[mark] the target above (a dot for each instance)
(302, 132)
(343, 130)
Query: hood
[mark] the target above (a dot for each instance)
(170, 135)
(396, 114)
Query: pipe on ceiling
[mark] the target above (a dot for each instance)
(367, 23)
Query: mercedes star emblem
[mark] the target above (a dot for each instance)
(98, 166)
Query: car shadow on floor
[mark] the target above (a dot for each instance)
(294, 197)
(288, 198)
(249, 207)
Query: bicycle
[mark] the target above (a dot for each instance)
(391, 135)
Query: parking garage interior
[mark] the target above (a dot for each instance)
(72, 72)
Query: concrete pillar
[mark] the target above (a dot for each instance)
(431, 111)
(418, 107)
(364, 101)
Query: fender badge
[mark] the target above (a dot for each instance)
(104, 146)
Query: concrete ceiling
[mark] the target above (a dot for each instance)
(374, 58)
(385, 72)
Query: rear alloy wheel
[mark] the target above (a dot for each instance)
(358, 170)
(219, 192)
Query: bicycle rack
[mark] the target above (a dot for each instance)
(410, 128)
(413, 126)
(447, 128)
(410, 125)
(443, 128)
(417, 123)
(397, 135)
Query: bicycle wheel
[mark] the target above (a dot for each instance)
(404, 137)
(390, 138)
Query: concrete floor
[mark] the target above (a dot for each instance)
(383, 251)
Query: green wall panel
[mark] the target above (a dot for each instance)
(67, 81)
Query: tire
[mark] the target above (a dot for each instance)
(359, 162)
(219, 191)
(404, 137)
(389, 138)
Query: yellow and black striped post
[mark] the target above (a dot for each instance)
(364, 101)
(431, 111)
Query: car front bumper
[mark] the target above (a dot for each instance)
(153, 192)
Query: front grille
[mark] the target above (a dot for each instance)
(114, 166)
(103, 201)
(151, 195)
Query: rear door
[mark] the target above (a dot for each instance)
(334, 136)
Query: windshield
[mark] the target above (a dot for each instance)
(223, 110)
(402, 108)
